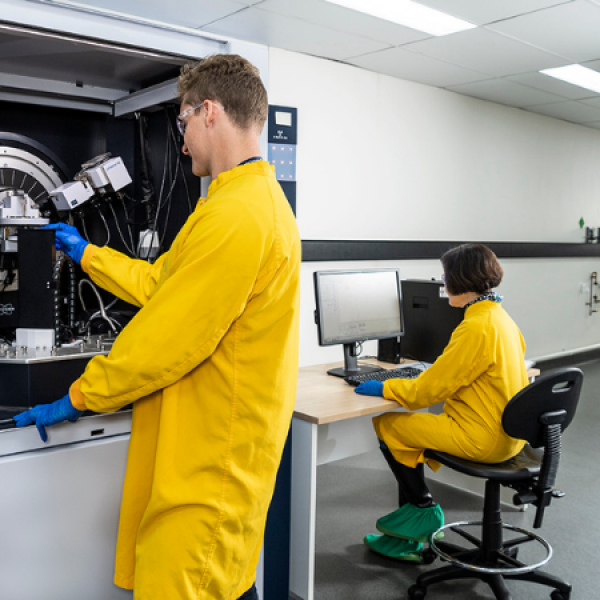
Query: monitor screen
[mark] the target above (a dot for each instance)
(354, 306)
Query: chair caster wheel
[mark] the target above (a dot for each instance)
(416, 592)
(558, 595)
(428, 556)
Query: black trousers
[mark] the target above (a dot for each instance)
(251, 594)
(411, 482)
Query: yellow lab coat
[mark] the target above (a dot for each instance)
(210, 363)
(480, 370)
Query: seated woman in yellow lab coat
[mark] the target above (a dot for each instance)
(480, 370)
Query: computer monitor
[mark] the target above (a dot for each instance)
(356, 306)
(429, 320)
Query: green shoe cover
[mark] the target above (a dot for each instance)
(412, 523)
(394, 548)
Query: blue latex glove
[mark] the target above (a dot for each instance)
(68, 240)
(370, 388)
(44, 415)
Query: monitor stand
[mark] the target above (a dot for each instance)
(351, 366)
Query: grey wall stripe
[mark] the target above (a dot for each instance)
(331, 250)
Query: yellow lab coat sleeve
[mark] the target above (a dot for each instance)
(131, 280)
(173, 335)
(465, 358)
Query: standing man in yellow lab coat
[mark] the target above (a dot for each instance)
(209, 362)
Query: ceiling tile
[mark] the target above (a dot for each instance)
(592, 102)
(184, 13)
(570, 30)
(343, 19)
(574, 111)
(415, 67)
(504, 91)
(268, 28)
(486, 52)
(551, 84)
(481, 12)
(591, 64)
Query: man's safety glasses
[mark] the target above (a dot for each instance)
(180, 119)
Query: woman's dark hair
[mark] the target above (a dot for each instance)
(471, 268)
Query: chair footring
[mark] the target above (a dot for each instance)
(481, 566)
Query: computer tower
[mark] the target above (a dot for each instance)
(388, 350)
(429, 320)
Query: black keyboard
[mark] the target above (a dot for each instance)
(403, 373)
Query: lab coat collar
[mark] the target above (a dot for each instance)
(260, 167)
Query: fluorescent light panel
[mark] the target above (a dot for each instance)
(576, 75)
(408, 13)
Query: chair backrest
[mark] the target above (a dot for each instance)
(539, 414)
(548, 394)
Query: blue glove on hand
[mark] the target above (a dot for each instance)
(44, 415)
(68, 240)
(370, 388)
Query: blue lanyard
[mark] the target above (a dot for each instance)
(250, 160)
(492, 296)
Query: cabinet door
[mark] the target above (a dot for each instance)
(60, 512)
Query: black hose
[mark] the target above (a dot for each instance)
(146, 174)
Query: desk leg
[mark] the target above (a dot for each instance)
(303, 509)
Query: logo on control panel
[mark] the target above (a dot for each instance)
(280, 135)
(6, 310)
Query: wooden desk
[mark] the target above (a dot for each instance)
(330, 422)
(322, 398)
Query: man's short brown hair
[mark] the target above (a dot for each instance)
(230, 80)
(471, 268)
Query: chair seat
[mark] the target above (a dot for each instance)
(519, 468)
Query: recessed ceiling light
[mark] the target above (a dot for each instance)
(577, 75)
(410, 14)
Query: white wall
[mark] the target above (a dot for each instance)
(381, 158)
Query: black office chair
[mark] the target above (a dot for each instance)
(539, 414)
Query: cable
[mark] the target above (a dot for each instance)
(180, 164)
(100, 302)
(128, 221)
(416, 361)
(131, 221)
(153, 222)
(112, 302)
(169, 197)
(164, 200)
(85, 233)
(159, 203)
(105, 225)
(178, 169)
(112, 322)
(112, 208)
